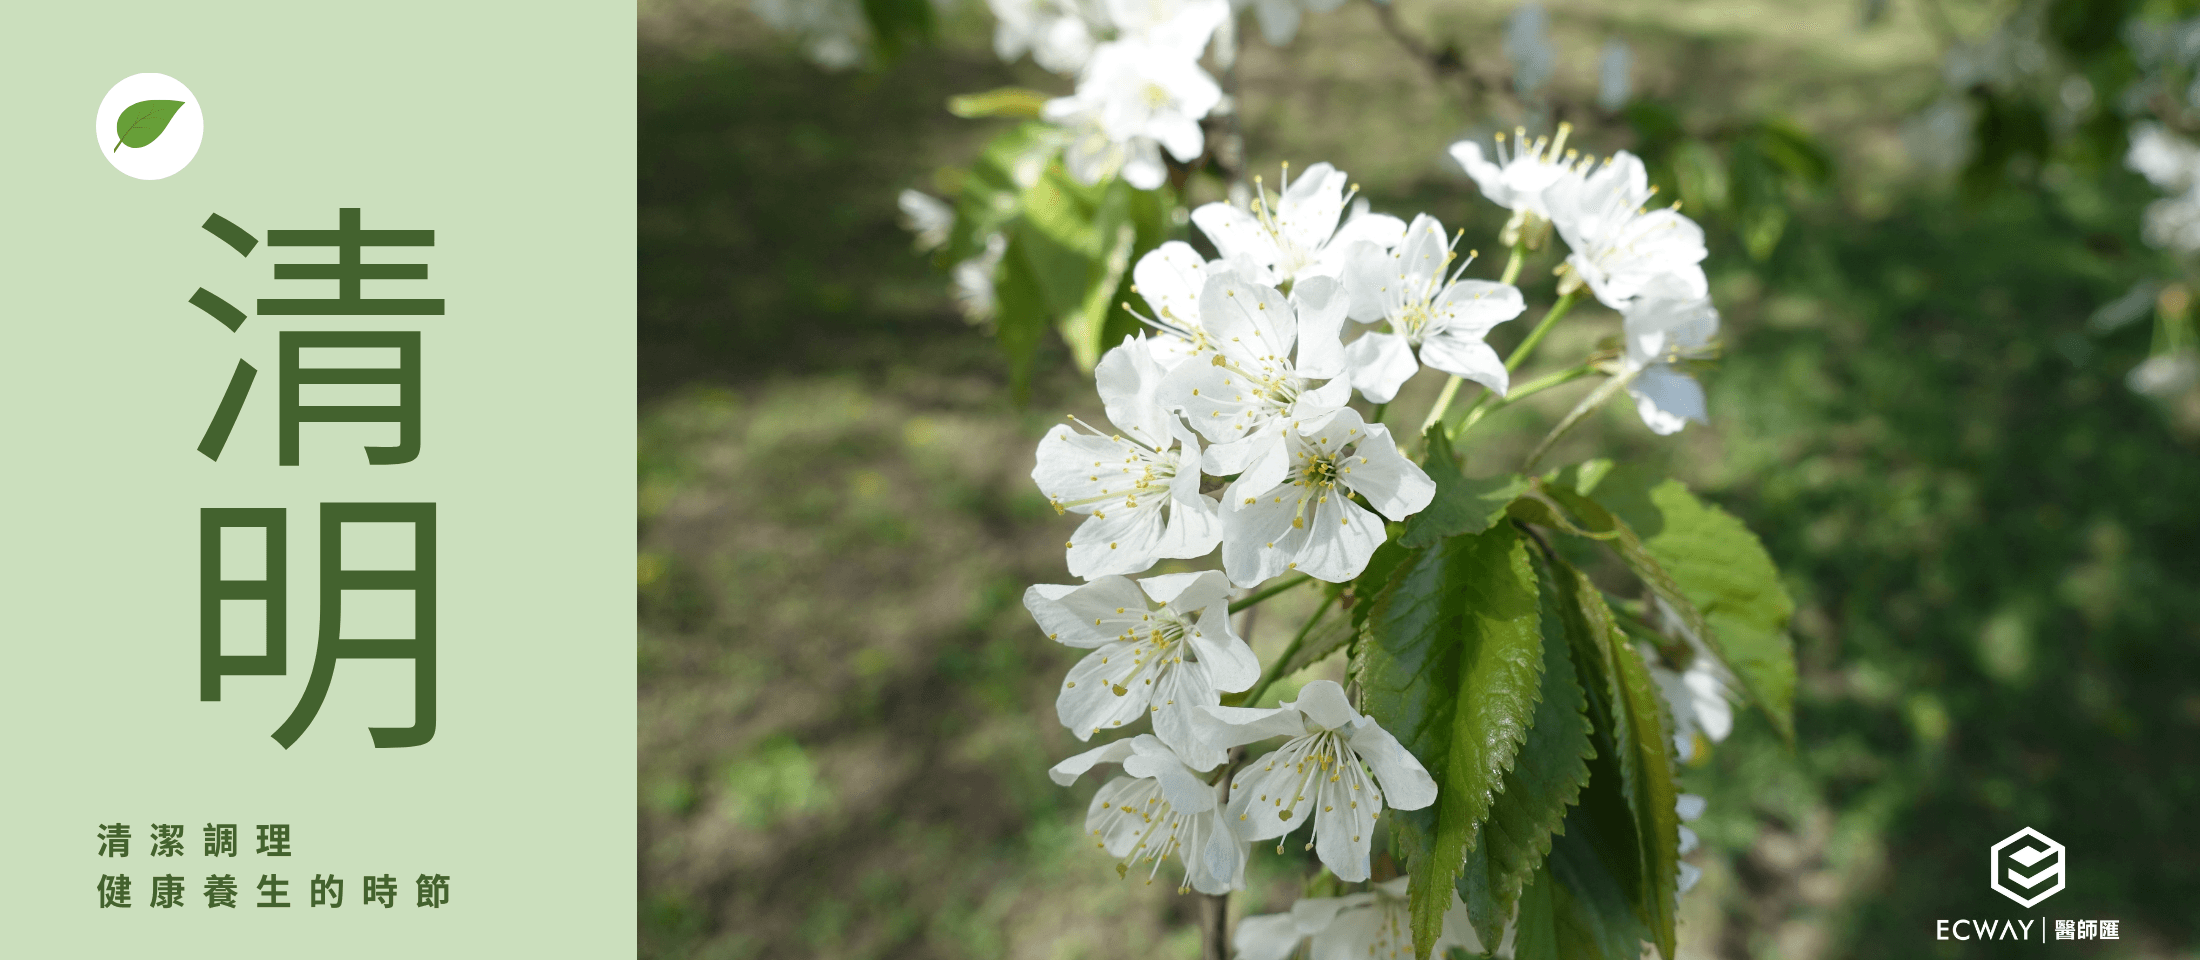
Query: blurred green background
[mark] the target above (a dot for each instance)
(1994, 544)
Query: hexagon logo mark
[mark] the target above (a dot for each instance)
(2021, 864)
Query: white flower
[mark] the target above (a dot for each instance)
(972, 281)
(2170, 162)
(1139, 486)
(1689, 806)
(1323, 772)
(1666, 327)
(1375, 924)
(1264, 351)
(1696, 697)
(1058, 33)
(1134, 100)
(1178, 28)
(1297, 235)
(1161, 646)
(1427, 309)
(1279, 19)
(1618, 247)
(1292, 508)
(1520, 173)
(927, 216)
(1162, 809)
(2165, 376)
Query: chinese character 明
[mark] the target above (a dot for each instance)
(114, 891)
(167, 892)
(273, 890)
(221, 839)
(167, 839)
(114, 839)
(420, 581)
(221, 891)
(274, 839)
(2089, 930)
(2108, 929)
(435, 891)
(348, 240)
(383, 888)
(328, 891)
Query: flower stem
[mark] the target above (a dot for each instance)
(1522, 392)
(1604, 391)
(1550, 319)
(1269, 591)
(1451, 387)
(1519, 356)
(1376, 415)
(1273, 673)
(1512, 266)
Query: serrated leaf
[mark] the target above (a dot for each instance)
(1724, 580)
(1461, 505)
(143, 122)
(1626, 705)
(1452, 660)
(1017, 102)
(1551, 769)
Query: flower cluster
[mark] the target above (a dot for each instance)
(1230, 428)
(1140, 88)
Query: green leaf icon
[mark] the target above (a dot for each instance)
(142, 122)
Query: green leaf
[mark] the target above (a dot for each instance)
(1723, 577)
(1451, 667)
(1461, 505)
(1020, 317)
(143, 122)
(1575, 909)
(1017, 102)
(991, 191)
(1624, 703)
(1545, 780)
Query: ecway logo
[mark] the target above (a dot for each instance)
(2021, 865)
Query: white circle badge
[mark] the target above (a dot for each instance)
(149, 126)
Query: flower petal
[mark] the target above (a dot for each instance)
(1380, 363)
(1341, 538)
(1067, 772)
(1406, 784)
(1087, 616)
(1129, 381)
(1228, 727)
(1235, 233)
(1088, 703)
(1465, 355)
(1395, 486)
(1321, 304)
(1270, 936)
(1667, 399)
(1324, 704)
(1170, 277)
